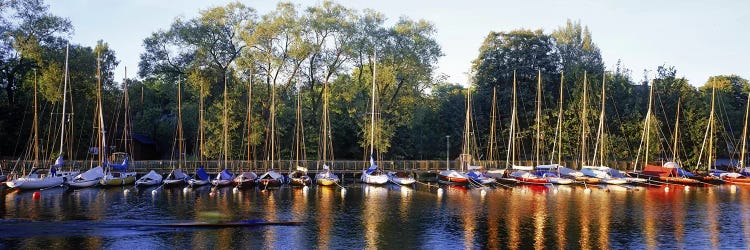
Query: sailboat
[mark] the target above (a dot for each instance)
(271, 178)
(247, 178)
(117, 174)
(599, 171)
(523, 174)
(36, 179)
(200, 178)
(556, 168)
(475, 173)
(742, 177)
(494, 172)
(176, 177)
(551, 177)
(94, 175)
(150, 179)
(671, 171)
(326, 177)
(299, 177)
(373, 175)
(225, 177)
(712, 176)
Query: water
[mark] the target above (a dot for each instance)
(381, 217)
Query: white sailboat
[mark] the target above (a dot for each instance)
(200, 178)
(224, 177)
(326, 177)
(522, 174)
(600, 171)
(150, 179)
(549, 176)
(92, 177)
(271, 178)
(176, 177)
(298, 177)
(373, 175)
(475, 173)
(556, 167)
(247, 178)
(117, 174)
(36, 179)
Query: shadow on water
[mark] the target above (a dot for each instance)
(388, 216)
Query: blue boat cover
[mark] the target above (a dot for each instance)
(226, 175)
(373, 166)
(683, 172)
(119, 167)
(59, 162)
(201, 173)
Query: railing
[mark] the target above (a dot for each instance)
(344, 166)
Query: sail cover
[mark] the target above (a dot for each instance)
(91, 174)
(201, 173)
(178, 174)
(225, 175)
(119, 167)
(59, 162)
(373, 166)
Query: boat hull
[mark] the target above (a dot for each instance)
(401, 178)
(124, 179)
(559, 181)
(221, 182)
(174, 183)
(615, 181)
(83, 183)
(35, 183)
(374, 179)
(147, 183)
(738, 180)
(269, 183)
(453, 181)
(300, 182)
(195, 183)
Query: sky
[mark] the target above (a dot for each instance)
(699, 38)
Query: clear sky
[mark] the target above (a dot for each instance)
(699, 38)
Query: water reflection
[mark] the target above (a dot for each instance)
(524, 217)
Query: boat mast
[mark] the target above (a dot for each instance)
(647, 123)
(493, 117)
(744, 133)
(538, 113)
(559, 121)
(676, 131)
(599, 148)
(511, 137)
(126, 127)
(36, 125)
(299, 128)
(179, 123)
(103, 151)
(466, 155)
(711, 122)
(65, 99)
(325, 121)
(249, 114)
(225, 125)
(200, 125)
(583, 123)
(372, 111)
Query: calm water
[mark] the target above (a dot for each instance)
(381, 217)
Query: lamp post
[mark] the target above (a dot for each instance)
(447, 152)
